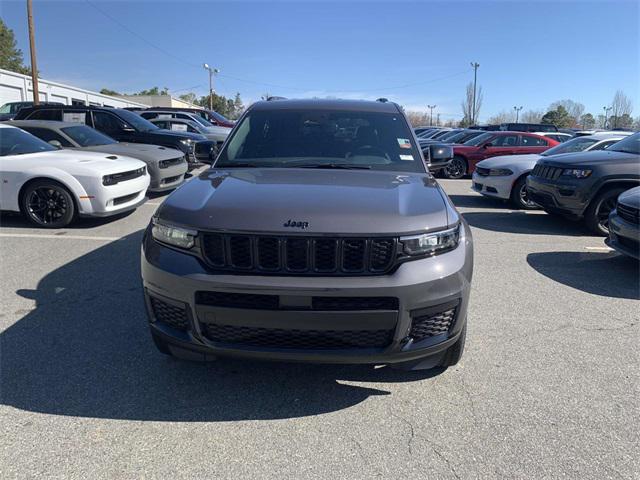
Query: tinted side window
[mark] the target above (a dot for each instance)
(603, 145)
(148, 115)
(46, 115)
(48, 135)
(528, 141)
(505, 141)
(106, 122)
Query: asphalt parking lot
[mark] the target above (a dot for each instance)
(548, 386)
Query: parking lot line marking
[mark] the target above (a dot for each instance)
(600, 249)
(67, 237)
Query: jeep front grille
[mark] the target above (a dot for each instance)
(546, 171)
(302, 255)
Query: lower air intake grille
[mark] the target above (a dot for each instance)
(432, 324)
(169, 314)
(297, 339)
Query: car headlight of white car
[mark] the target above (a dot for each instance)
(431, 243)
(173, 235)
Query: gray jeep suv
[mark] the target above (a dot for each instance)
(318, 235)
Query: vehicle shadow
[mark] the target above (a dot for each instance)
(16, 220)
(606, 274)
(478, 201)
(526, 223)
(85, 350)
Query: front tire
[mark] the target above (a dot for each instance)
(519, 197)
(456, 169)
(597, 214)
(48, 204)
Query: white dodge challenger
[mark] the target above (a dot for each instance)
(52, 187)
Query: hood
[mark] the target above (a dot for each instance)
(144, 152)
(593, 158)
(505, 161)
(330, 201)
(630, 198)
(78, 161)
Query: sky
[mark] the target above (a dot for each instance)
(415, 53)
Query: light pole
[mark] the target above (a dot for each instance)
(431, 107)
(475, 78)
(517, 109)
(606, 109)
(212, 72)
(32, 49)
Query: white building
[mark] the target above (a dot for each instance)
(159, 101)
(16, 87)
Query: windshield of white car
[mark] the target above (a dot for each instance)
(578, 144)
(87, 137)
(294, 138)
(14, 141)
(479, 140)
(628, 145)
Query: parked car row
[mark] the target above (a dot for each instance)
(58, 162)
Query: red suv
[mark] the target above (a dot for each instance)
(493, 144)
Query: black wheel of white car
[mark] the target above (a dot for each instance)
(457, 168)
(520, 197)
(48, 204)
(597, 214)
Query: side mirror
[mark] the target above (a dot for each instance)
(440, 153)
(55, 143)
(128, 129)
(487, 145)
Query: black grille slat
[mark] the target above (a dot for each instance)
(268, 253)
(354, 303)
(250, 301)
(299, 255)
(381, 254)
(171, 161)
(353, 255)
(169, 314)
(547, 171)
(240, 252)
(325, 254)
(297, 339)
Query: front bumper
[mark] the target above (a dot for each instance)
(103, 201)
(420, 287)
(567, 197)
(493, 186)
(624, 236)
(163, 179)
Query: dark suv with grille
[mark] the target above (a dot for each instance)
(318, 235)
(586, 185)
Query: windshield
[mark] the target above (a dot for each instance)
(579, 144)
(87, 137)
(14, 141)
(628, 145)
(218, 117)
(136, 121)
(323, 138)
(450, 135)
(479, 140)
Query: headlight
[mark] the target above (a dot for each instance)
(576, 173)
(499, 172)
(431, 243)
(176, 236)
(188, 143)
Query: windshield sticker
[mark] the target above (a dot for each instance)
(404, 143)
(406, 157)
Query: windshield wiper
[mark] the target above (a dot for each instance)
(343, 166)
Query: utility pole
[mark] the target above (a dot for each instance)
(438, 120)
(32, 48)
(517, 109)
(431, 107)
(212, 71)
(475, 79)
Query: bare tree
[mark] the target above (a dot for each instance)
(418, 119)
(469, 115)
(505, 116)
(532, 116)
(620, 106)
(574, 109)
